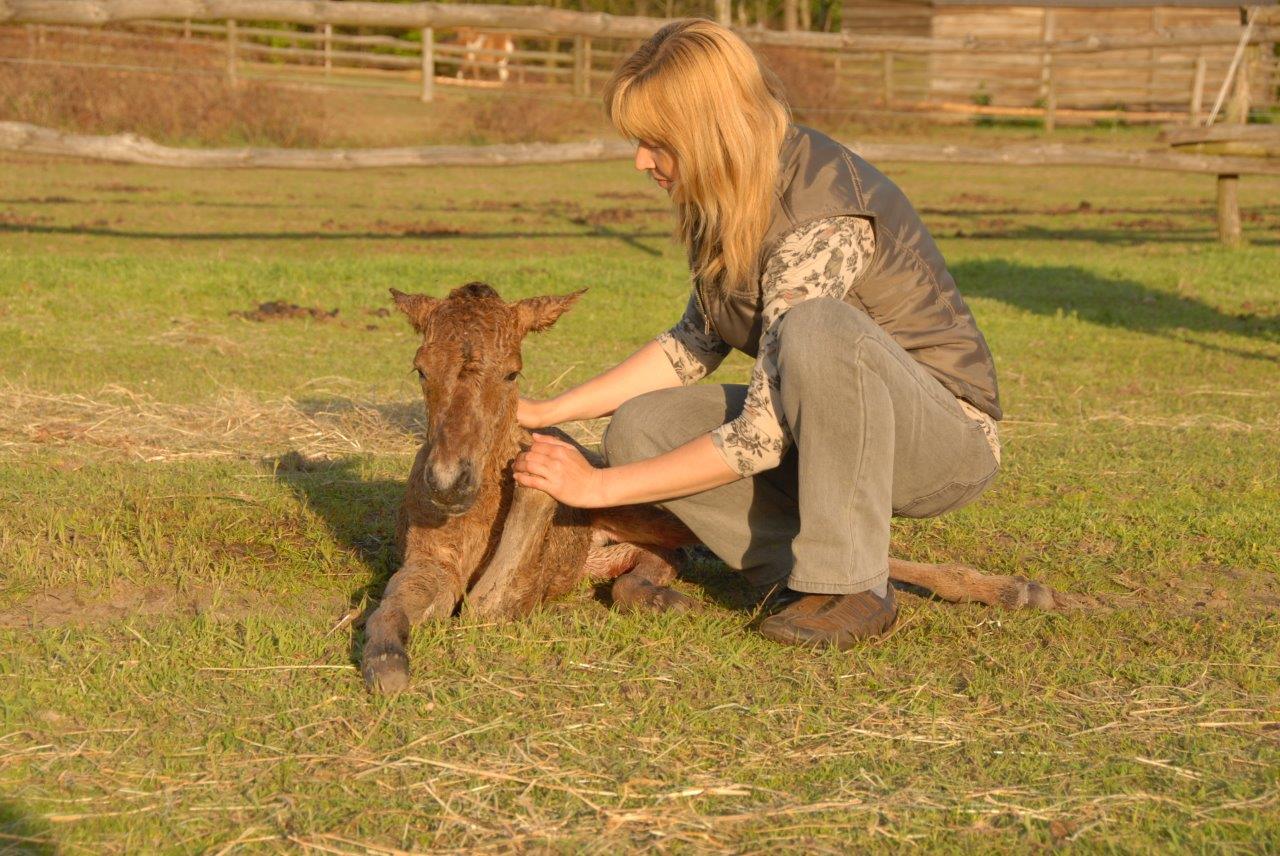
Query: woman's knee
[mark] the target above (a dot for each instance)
(658, 422)
(631, 434)
(810, 331)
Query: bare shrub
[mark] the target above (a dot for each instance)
(185, 100)
(808, 79)
(534, 118)
(818, 98)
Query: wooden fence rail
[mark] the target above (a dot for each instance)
(549, 21)
(131, 148)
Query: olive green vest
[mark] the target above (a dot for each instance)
(906, 288)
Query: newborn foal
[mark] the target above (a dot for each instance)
(465, 528)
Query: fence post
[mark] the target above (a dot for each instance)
(1238, 107)
(1051, 105)
(724, 13)
(578, 68)
(1229, 231)
(428, 64)
(1197, 89)
(1048, 91)
(327, 47)
(231, 51)
(888, 79)
(186, 29)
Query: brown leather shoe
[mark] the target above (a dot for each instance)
(831, 619)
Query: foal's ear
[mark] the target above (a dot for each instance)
(536, 314)
(417, 306)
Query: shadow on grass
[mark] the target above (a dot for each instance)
(588, 231)
(1052, 290)
(360, 513)
(20, 833)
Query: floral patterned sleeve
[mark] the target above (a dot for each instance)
(820, 259)
(694, 352)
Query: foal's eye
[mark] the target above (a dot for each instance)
(514, 376)
(421, 374)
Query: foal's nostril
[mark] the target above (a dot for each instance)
(466, 481)
(455, 486)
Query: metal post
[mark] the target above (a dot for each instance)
(231, 52)
(428, 64)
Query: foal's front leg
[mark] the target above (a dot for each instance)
(420, 590)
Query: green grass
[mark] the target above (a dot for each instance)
(170, 577)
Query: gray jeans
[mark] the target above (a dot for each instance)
(875, 435)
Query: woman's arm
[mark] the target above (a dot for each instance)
(818, 260)
(682, 355)
(556, 467)
(644, 371)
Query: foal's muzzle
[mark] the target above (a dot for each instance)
(451, 488)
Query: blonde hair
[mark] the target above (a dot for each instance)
(698, 91)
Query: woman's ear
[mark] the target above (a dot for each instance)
(536, 314)
(417, 306)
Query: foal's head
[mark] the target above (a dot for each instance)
(469, 362)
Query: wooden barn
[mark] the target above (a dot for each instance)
(1182, 79)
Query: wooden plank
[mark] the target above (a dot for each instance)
(1267, 134)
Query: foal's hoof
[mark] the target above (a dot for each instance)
(669, 600)
(1027, 594)
(648, 597)
(385, 670)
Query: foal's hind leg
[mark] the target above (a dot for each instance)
(962, 584)
(642, 578)
(420, 590)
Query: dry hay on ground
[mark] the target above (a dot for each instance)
(118, 420)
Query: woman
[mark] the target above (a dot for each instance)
(873, 392)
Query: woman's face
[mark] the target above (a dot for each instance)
(658, 162)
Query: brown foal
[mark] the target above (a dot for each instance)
(466, 531)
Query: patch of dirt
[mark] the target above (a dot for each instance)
(1154, 224)
(120, 187)
(430, 229)
(73, 607)
(279, 310)
(12, 218)
(605, 216)
(974, 199)
(624, 194)
(186, 334)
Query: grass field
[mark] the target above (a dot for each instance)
(192, 501)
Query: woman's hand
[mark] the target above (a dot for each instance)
(557, 468)
(532, 413)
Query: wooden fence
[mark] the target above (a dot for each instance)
(130, 148)
(1179, 75)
